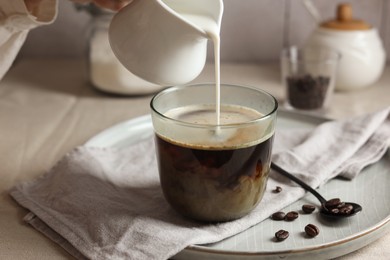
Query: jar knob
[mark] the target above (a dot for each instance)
(344, 12)
(344, 20)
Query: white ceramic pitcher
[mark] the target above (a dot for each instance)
(158, 41)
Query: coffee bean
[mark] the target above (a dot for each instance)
(312, 230)
(335, 211)
(346, 209)
(281, 235)
(333, 203)
(278, 189)
(308, 208)
(292, 215)
(278, 215)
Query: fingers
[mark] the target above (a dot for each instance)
(81, 1)
(32, 5)
(114, 5)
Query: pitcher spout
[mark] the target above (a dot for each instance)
(200, 14)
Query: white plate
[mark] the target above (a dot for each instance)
(370, 189)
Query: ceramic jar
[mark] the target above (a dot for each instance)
(362, 53)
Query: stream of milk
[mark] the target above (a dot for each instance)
(212, 29)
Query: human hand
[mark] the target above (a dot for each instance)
(32, 5)
(114, 5)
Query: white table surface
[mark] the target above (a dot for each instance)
(47, 107)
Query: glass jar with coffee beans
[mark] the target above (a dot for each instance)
(308, 77)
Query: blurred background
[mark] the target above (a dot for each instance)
(252, 30)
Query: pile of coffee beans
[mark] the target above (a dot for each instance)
(311, 230)
(337, 207)
(307, 92)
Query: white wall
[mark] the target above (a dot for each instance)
(252, 30)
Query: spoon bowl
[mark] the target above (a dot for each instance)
(333, 208)
(356, 208)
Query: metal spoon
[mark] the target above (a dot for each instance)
(330, 208)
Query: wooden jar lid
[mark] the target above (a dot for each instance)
(344, 20)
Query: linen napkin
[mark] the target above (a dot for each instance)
(107, 203)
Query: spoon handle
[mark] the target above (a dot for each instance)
(283, 172)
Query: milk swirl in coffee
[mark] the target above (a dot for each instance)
(204, 114)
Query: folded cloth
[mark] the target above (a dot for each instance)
(108, 204)
(336, 148)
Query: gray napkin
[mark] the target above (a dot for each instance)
(107, 203)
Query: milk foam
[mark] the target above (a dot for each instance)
(205, 114)
(226, 135)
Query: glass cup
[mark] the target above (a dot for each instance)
(209, 171)
(309, 77)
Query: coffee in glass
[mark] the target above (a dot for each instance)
(209, 171)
